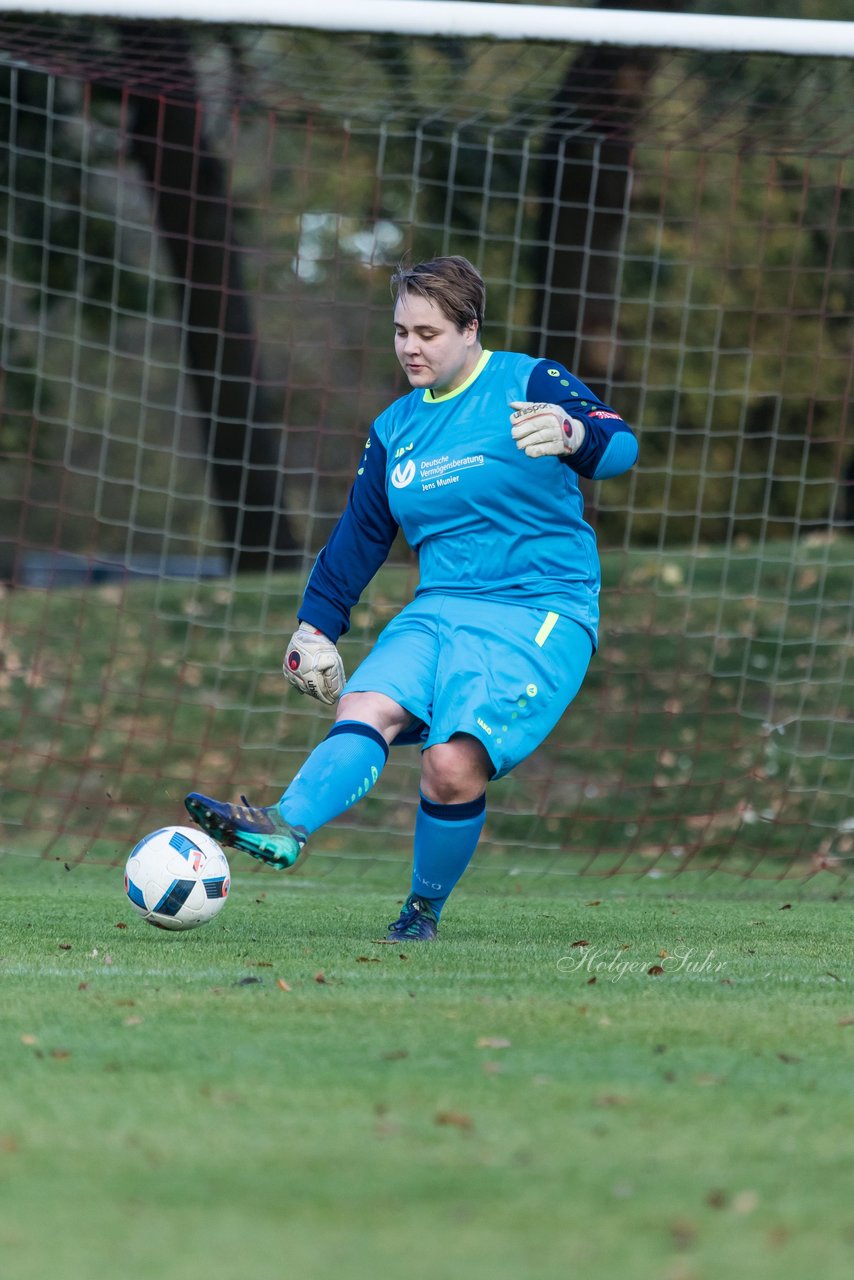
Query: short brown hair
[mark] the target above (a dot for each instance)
(452, 283)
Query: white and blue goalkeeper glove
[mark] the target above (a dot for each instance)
(313, 665)
(545, 430)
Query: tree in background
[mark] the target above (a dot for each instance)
(584, 184)
(190, 193)
(73, 264)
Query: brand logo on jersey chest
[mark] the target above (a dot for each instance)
(403, 475)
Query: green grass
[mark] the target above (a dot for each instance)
(479, 1108)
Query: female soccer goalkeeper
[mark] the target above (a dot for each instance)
(478, 465)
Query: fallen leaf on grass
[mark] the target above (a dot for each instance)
(394, 1055)
(683, 1233)
(120, 924)
(582, 942)
(597, 902)
(367, 960)
(847, 1021)
(716, 1198)
(282, 985)
(787, 906)
(610, 1100)
(65, 946)
(321, 977)
(492, 1042)
(787, 1057)
(29, 1039)
(60, 1054)
(455, 1119)
(655, 970)
(745, 1202)
(133, 1021)
(246, 982)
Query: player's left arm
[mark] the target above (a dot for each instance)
(562, 417)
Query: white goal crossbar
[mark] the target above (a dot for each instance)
(465, 18)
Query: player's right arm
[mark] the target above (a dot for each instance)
(357, 547)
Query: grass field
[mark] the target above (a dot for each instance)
(277, 1095)
(591, 1076)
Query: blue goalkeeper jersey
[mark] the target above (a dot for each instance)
(484, 518)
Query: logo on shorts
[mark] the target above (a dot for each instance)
(403, 475)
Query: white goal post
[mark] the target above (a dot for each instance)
(467, 19)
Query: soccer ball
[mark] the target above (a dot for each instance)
(177, 878)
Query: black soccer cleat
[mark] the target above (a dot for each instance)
(417, 922)
(262, 833)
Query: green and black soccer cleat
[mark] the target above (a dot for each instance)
(262, 833)
(417, 922)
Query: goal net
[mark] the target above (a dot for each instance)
(200, 220)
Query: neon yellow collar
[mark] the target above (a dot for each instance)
(429, 398)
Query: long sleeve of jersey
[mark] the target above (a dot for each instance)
(610, 446)
(357, 547)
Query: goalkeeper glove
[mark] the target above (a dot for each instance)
(313, 665)
(544, 430)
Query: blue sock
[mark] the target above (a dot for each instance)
(340, 770)
(446, 836)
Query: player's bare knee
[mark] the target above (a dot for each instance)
(455, 772)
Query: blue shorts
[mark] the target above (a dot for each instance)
(460, 664)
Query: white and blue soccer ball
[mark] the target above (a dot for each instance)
(177, 878)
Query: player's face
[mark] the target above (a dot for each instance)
(434, 353)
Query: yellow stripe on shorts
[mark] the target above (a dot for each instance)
(546, 629)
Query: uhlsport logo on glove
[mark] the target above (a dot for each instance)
(313, 665)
